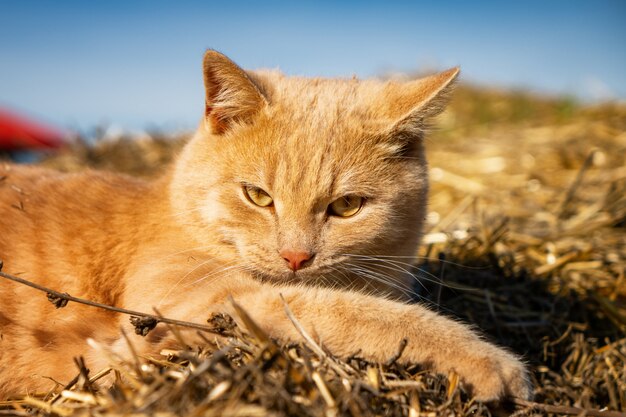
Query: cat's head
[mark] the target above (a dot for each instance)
(314, 180)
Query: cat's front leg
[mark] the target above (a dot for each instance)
(346, 322)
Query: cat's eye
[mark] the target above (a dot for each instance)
(258, 196)
(346, 206)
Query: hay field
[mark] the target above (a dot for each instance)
(526, 239)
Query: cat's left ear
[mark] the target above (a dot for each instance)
(409, 105)
(231, 95)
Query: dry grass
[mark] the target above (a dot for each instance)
(526, 239)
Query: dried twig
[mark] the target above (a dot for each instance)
(569, 196)
(147, 323)
(312, 343)
(403, 343)
(566, 409)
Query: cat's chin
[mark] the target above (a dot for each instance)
(287, 277)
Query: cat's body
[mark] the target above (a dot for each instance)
(313, 189)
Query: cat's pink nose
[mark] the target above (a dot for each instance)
(295, 259)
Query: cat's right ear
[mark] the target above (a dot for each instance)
(410, 105)
(231, 96)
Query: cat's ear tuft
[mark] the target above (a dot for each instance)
(410, 105)
(231, 95)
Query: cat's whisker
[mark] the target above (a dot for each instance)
(363, 285)
(173, 287)
(344, 274)
(410, 293)
(338, 282)
(383, 278)
(171, 255)
(379, 277)
(404, 157)
(367, 264)
(421, 273)
(388, 264)
(405, 272)
(400, 265)
(215, 272)
(186, 212)
(425, 258)
(177, 284)
(326, 282)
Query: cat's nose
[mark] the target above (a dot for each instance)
(296, 259)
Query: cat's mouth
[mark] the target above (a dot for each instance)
(317, 270)
(291, 277)
(310, 275)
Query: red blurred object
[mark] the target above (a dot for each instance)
(18, 132)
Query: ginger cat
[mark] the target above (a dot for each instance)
(309, 188)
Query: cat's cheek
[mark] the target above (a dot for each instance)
(212, 210)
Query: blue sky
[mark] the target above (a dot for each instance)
(136, 64)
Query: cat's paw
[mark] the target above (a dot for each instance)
(496, 376)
